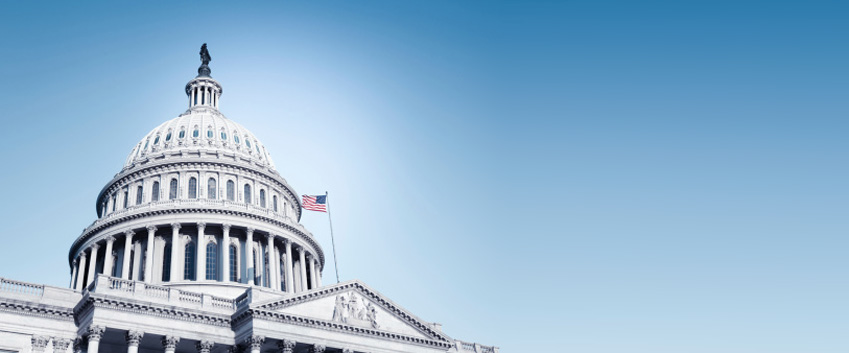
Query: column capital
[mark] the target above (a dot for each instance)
(129, 233)
(204, 346)
(286, 346)
(309, 257)
(151, 228)
(251, 230)
(299, 249)
(110, 239)
(347, 350)
(201, 224)
(134, 337)
(82, 255)
(270, 236)
(175, 225)
(159, 238)
(39, 342)
(255, 342)
(170, 342)
(61, 344)
(94, 247)
(95, 332)
(74, 263)
(226, 226)
(317, 348)
(285, 241)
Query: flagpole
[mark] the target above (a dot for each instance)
(332, 240)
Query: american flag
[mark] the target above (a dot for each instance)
(315, 202)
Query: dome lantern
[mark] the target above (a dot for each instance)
(203, 90)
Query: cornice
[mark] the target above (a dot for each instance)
(91, 303)
(38, 310)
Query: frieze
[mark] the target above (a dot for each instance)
(151, 310)
(41, 310)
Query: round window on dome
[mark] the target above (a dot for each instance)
(223, 135)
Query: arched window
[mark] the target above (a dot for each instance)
(236, 137)
(189, 264)
(172, 193)
(233, 262)
(274, 202)
(211, 261)
(156, 140)
(182, 133)
(223, 135)
(248, 142)
(168, 136)
(166, 264)
(231, 190)
(209, 133)
(154, 193)
(210, 189)
(262, 198)
(139, 195)
(193, 188)
(196, 132)
(247, 193)
(126, 197)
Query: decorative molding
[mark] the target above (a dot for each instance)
(95, 332)
(129, 233)
(151, 228)
(134, 337)
(204, 346)
(61, 344)
(317, 348)
(109, 238)
(255, 342)
(286, 346)
(201, 225)
(146, 308)
(170, 342)
(226, 226)
(38, 310)
(39, 342)
(176, 225)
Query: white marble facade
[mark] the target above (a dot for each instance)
(198, 248)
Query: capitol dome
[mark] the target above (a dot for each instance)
(199, 203)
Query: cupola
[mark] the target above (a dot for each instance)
(203, 90)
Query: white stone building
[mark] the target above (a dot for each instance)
(198, 248)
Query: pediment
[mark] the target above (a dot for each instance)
(354, 304)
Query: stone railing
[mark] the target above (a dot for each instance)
(10, 286)
(463, 347)
(155, 293)
(199, 203)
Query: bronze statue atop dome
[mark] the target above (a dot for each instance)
(204, 70)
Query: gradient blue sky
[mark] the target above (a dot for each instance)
(577, 176)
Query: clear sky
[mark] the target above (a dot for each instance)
(577, 176)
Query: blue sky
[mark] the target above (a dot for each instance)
(567, 176)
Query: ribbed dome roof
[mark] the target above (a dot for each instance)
(200, 128)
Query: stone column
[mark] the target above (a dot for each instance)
(286, 346)
(148, 259)
(133, 339)
(311, 260)
(225, 253)
(249, 257)
(169, 343)
(317, 348)
(125, 264)
(137, 249)
(255, 343)
(73, 284)
(317, 274)
(107, 256)
(176, 247)
(290, 281)
(277, 268)
(204, 346)
(271, 261)
(39, 343)
(80, 272)
(92, 265)
(94, 335)
(60, 345)
(301, 257)
(200, 261)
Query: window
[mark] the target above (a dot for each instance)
(146, 142)
(189, 264)
(196, 133)
(154, 194)
(236, 137)
(209, 133)
(233, 261)
(126, 197)
(248, 143)
(139, 195)
(231, 190)
(172, 194)
(247, 193)
(282, 267)
(114, 270)
(114, 201)
(156, 140)
(142, 264)
(256, 267)
(210, 189)
(166, 264)
(182, 133)
(193, 188)
(274, 202)
(262, 198)
(132, 258)
(168, 137)
(223, 135)
(211, 261)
